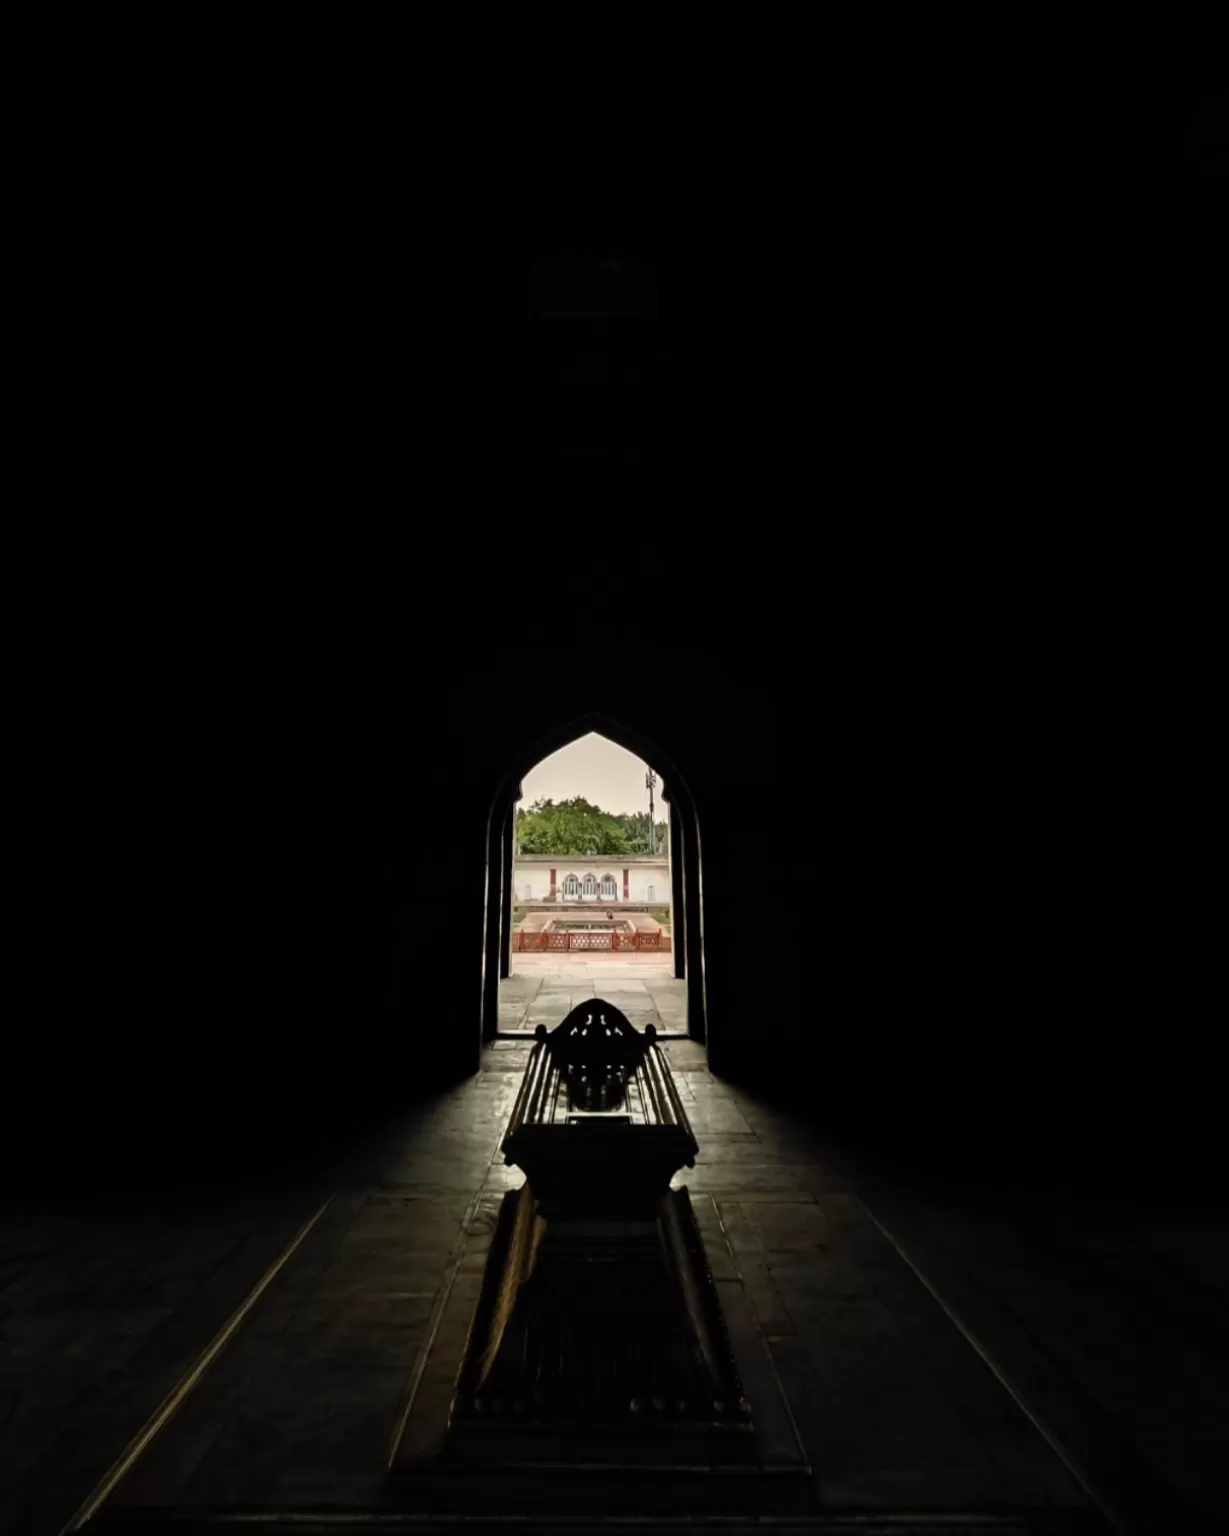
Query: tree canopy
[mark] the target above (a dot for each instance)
(576, 826)
(636, 829)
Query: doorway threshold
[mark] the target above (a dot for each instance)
(523, 1034)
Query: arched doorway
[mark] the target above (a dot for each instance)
(688, 955)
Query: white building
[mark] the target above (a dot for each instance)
(604, 880)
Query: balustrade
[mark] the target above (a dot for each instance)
(587, 939)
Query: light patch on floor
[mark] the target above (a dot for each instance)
(527, 1000)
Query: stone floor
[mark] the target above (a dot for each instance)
(546, 993)
(1027, 1359)
(644, 962)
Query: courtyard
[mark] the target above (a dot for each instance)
(546, 987)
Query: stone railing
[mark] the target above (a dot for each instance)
(598, 938)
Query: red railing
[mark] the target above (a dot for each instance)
(593, 938)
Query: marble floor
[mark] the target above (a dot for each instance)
(1042, 1364)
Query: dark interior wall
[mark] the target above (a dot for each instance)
(224, 915)
(931, 511)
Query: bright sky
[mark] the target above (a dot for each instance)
(605, 774)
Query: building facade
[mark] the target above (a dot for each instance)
(598, 879)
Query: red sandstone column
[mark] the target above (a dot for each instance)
(625, 873)
(552, 884)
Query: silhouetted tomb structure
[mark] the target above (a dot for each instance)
(597, 1344)
(598, 1305)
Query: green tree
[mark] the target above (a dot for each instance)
(635, 826)
(571, 826)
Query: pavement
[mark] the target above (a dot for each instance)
(546, 993)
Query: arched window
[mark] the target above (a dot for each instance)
(571, 888)
(609, 888)
(590, 887)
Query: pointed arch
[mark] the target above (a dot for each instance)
(683, 815)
